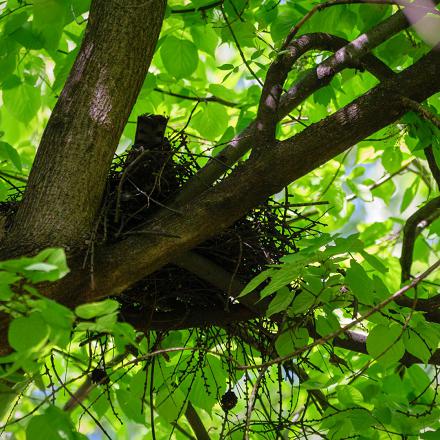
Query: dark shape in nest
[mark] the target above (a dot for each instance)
(145, 180)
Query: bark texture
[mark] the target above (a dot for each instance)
(70, 170)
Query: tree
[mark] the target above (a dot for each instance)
(178, 285)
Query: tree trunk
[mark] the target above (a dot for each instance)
(68, 177)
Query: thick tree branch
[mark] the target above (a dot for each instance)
(433, 166)
(120, 265)
(347, 56)
(70, 170)
(418, 221)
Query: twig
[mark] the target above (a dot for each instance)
(383, 180)
(199, 9)
(198, 99)
(121, 182)
(12, 176)
(330, 3)
(421, 110)
(240, 51)
(251, 401)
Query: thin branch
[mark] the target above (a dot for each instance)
(413, 5)
(95, 420)
(240, 51)
(251, 402)
(383, 180)
(433, 119)
(421, 219)
(13, 176)
(198, 99)
(198, 9)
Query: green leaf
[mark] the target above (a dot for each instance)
(8, 57)
(8, 152)
(255, 282)
(415, 345)
(392, 159)
(409, 195)
(59, 319)
(49, 18)
(179, 56)
(54, 424)
(95, 309)
(291, 340)
(22, 102)
(205, 38)
(430, 435)
(385, 344)
(226, 67)
(170, 404)
(280, 302)
(43, 267)
(49, 265)
(212, 121)
(28, 333)
(302, 303)
(349, 396)
(327, 324)
(28, 37)
(359, 282)
(131, 405)
(374, 262)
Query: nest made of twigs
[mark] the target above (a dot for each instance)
(146, 179)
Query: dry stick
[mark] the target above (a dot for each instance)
(330, 3)
(121, 182)
(347, 327)
(421, 219)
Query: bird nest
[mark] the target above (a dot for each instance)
(145, 180)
